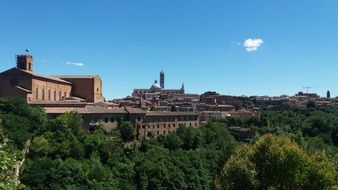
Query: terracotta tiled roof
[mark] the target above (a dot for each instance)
(76, 76)
(63, 102)
(105, 110)
(43, 76)
(87, 110)
(58, 110)
(164, 113)
(135, 110)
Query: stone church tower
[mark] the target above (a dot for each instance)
(24, 62)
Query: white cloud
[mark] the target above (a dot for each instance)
(78, 64)
(252, 44)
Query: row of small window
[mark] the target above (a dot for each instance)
(150, 133)
(158, 133)
(158, 126)
(164, 125)
(112, 119)
(182, 118)
(40, 94)
(106, 119)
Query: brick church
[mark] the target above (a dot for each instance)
(21, 81)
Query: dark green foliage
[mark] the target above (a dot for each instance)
(276, 163)
(20, 121)
(63, 156)
(127, 131)
(159, 168)
(311, 104)
(8, 156)
(334, 136)
(45, 173)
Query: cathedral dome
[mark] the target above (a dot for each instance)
(155, 86)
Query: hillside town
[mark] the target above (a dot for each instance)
(168, 95)
(153, 111)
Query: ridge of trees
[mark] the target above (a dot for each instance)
(295, 145)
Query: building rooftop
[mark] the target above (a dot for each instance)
(75, 76)
(42, 76)
(135, 110)
(86, 110)
(168, 113)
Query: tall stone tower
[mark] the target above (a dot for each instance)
(24, 62)
(162, 79)
(182, 88)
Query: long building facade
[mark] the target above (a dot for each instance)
(147, 123)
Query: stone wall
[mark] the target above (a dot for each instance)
(88, 88)
(164, 124)
(45, 90)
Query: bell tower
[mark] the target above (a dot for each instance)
(24, 62)
(162, 79)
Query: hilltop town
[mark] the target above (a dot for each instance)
(62, 127)
(153, 111)
(168, 95)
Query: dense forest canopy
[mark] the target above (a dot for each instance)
(292, 148)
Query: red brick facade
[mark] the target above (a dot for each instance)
(23, 83)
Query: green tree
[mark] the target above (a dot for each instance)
(7, 161)
(40, 145)
(239, 172)
(127, 131)
(20, 121)
(311, 104)
(73, 121)
(276, 162)
(279, 162)
(94, 142)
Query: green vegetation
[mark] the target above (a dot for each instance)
(294, 148)
(127, 131)
(276, 163)
(7, 160)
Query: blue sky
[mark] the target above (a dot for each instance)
(294, 43)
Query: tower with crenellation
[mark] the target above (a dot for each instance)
(24, 62)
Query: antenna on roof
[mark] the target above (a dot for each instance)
(307, 88)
